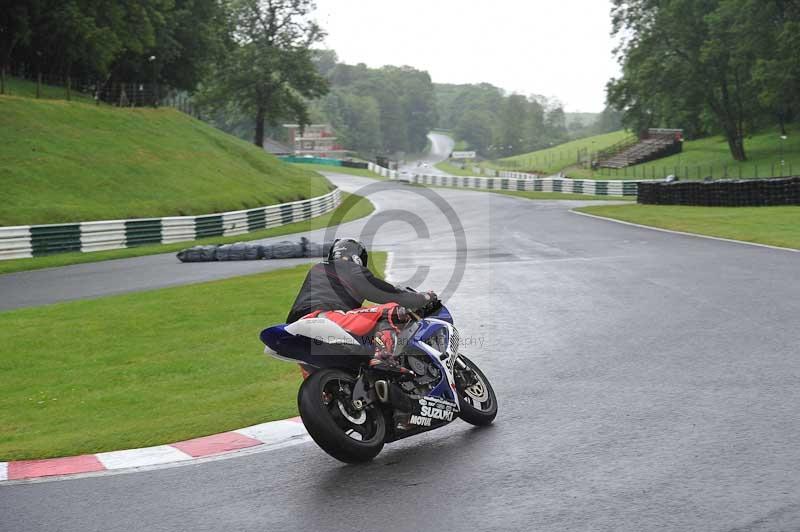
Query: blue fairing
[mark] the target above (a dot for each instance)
(443, 315)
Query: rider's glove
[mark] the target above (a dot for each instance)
(400, 314)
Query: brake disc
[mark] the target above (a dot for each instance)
(362, 415)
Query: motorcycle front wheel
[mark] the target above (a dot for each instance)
(326, 407)
(476, 398)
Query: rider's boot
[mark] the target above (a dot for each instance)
(384, 359)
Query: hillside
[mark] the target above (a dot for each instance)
(552, 160)
(711, 157)
(69, 161)
(27, 89)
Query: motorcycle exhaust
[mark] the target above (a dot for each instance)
(382, 389)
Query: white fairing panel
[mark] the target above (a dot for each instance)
(322, 330)
(269, 351)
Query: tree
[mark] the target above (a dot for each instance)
(773, 27)
(555, 123)
(513, 119)
(355, 118)
(15, 29)
(696, 63)
(475, 129)
(387, 110)
(268, 72)
(534, 134)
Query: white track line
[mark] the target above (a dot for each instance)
(276, 432)
(147, 456)
(387, 274)
(273, 435)
(684, 233)
(182, 463)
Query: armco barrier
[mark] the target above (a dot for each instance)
(380, 170)
(566, 186)
(32, 241)
(723, 193)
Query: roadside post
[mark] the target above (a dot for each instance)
(152, 59)
(783, 162)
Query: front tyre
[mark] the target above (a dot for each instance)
(326, 407)
(476, 397)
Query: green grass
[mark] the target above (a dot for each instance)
(560, 196)
(147, 368)
(69, 162)
(776, 226)
(712, 157)
(552, 160)
(361, 208)
(27, 89)
(452, 169)
(460, 145)
(360, 172)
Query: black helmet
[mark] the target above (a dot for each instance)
(348, 249)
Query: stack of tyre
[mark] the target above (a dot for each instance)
(722, 193)
(245, 251)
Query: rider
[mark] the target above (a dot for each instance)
(336, 288)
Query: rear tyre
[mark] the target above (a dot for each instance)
(342, 431)
(476, 398)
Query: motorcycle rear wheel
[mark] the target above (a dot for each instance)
(476, 400)
(325, 404)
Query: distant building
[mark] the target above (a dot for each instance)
(318, 140)
(276, 148)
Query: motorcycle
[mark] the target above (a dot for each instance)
(351, 411)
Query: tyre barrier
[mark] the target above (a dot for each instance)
(19, 242)
(531, 184)
(722, 193)
(284, 249)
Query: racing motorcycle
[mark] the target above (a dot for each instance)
(351, 411)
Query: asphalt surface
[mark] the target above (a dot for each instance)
(647, 381)
(439, 149)
(80, 281)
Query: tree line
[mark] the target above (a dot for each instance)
(710, 66)
(497, 124)
(386, 110)
(243, 57)
(174, 40)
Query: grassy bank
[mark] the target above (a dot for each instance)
(452, 169)
(70, 162)
(361, 208)
(775, 226)
(557, 158)
(147, 368)
(711, 157)
(360, 172)
(27, 89)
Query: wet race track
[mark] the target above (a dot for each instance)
(646, 381)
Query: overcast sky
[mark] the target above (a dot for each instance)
(558, 48)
